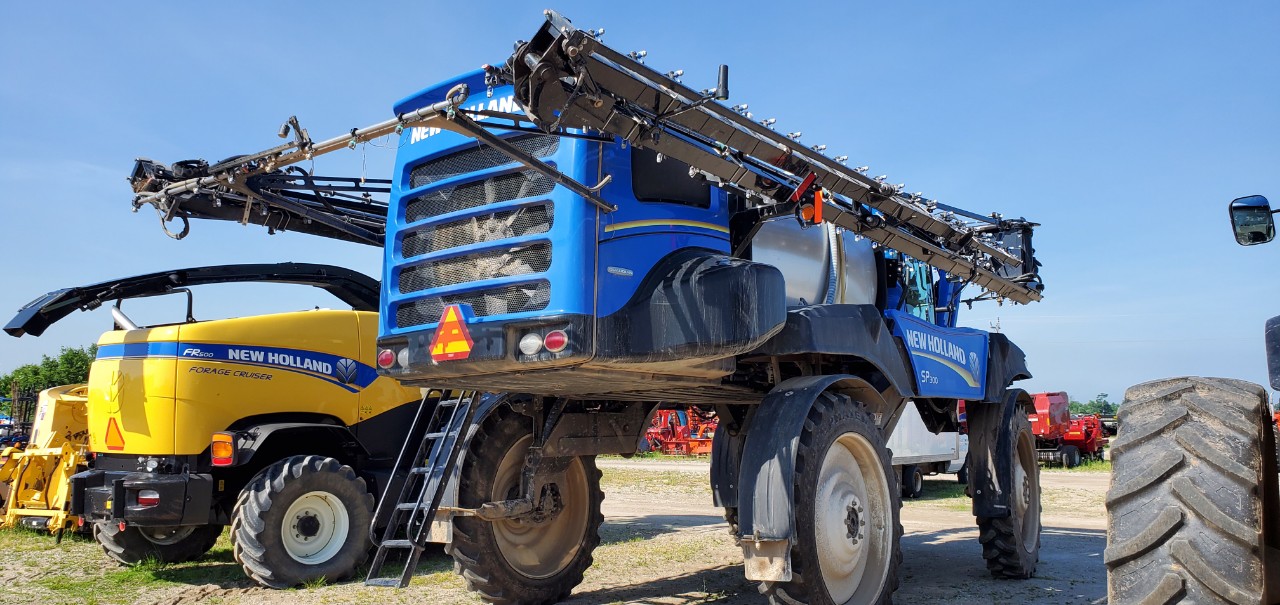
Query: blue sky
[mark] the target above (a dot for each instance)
(1124, 128)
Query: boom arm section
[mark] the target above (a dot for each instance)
(565, 77)
(265, 188)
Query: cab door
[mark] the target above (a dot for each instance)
(661, 209)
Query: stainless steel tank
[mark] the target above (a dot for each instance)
(822, 264)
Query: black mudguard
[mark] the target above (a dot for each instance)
(256, 438)
(844, 330)
(668, 318)
(766, 479)
(1006, 364)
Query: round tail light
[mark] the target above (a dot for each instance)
(385, 358)
(530, 344)
(555, 341)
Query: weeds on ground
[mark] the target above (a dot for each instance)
(945, 494)
(646, 481)
(1085, 466)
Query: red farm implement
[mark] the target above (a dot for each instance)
(683, 431)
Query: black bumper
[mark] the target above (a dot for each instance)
(185, 499)
(494, 350)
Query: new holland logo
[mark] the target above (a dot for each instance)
(346, 370)
(973, 364)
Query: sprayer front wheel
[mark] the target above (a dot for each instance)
(1011, 544)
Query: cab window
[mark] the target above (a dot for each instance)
(667, 181)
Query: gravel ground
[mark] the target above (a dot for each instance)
(663, 543)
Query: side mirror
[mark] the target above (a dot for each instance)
(1251, 219)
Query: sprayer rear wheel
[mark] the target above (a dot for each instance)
(522, 561)
(847, 511)
(1011, 544)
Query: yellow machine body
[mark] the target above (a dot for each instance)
(165, 390)
(37, 479)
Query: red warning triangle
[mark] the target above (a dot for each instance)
(452, 340)
(115, 438)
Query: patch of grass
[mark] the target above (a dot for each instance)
(1093, 466)
(661, 551)
(654, 457)
(1068, 501)
(647, 481)
(1085, 466)
(943, 494)
(315, 583)
(113, 585)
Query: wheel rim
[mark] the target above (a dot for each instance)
(165, 536)
(1026, 490)
(853, 494)
(541, 550)
(917, 482)
(315, 527)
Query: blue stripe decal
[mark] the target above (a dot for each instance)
(138, 349)
(334, 369)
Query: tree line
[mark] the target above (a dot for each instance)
(70, 366)
(1097, 405)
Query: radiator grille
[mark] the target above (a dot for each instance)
(492, 190)
(498, 301)
(530, 220)
(521, 260)
(483, 158)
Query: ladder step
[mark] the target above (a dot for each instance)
(406, 544)
(419, 470)
(392, 582)
(409, 506)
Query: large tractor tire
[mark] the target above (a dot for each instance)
(302, 519)
(1011, 544)
(847, 519)
(1193, 515)
(133, 545)
(522, 561)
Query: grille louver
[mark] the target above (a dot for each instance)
(484, 158)
(490, 227)
(492, 190)
(498, 301)
(521, 260)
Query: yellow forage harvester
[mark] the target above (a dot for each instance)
(37, 479)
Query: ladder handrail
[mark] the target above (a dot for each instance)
(444, 435)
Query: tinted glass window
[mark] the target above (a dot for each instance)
(666, 181)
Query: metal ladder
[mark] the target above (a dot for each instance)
(425, 474)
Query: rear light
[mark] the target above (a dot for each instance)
(403, 357)
(148, 497)
(530, 344)
(223, 450)
(386, 357)
(555, 341)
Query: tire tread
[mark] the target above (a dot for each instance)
(1184, 496)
